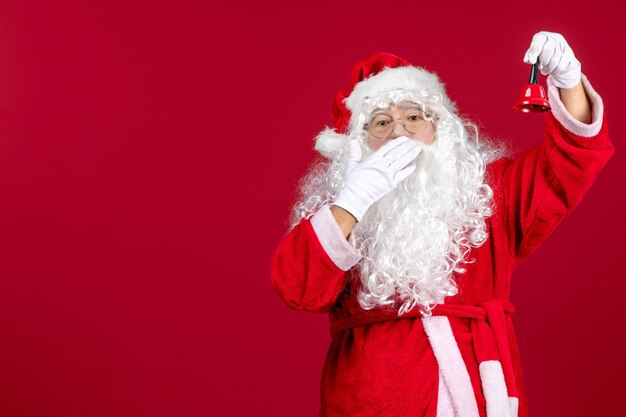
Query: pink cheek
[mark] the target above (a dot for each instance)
(375, 144)
(427, 140)
(427, 137)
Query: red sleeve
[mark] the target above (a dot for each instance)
(540, 186)
(303, 274)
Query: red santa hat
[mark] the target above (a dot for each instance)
(374, 76)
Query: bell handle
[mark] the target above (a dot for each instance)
(534, 70)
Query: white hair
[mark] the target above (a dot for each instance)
(417, 238)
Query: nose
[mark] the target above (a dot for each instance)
(398, 130)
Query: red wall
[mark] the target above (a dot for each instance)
(148, 158)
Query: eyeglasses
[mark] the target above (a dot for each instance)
(414, 121)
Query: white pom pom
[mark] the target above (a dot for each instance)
(329, 142)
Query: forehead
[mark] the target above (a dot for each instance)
(402, 105)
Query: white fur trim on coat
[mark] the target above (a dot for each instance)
(494, 389)
(451, 365)
(514, 406)
(445, 407)
(340, 250)
(567, 120)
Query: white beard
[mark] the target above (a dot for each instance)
(416, 238)
(419, 235)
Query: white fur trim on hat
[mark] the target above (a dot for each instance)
(391, 79)
(329, 142)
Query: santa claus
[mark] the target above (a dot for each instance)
(409, 229)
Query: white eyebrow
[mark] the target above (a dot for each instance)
(409, 105)
(378, 111)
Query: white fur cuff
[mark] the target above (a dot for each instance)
(341, 251)
(570, 123)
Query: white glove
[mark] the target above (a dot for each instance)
(555, 58)
(369, 180)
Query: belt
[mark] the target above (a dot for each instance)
(488, 325)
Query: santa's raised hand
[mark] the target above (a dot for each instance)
(555, 58)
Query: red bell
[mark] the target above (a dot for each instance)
(533, 97)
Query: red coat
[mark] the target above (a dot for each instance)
(463, 361)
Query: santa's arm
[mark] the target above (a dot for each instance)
(344, 219)
(546, 182)
(309, 266)
(576, 102)
(540, 186)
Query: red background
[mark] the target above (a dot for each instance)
(148, 158)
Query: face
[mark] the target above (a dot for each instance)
(403, 116)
